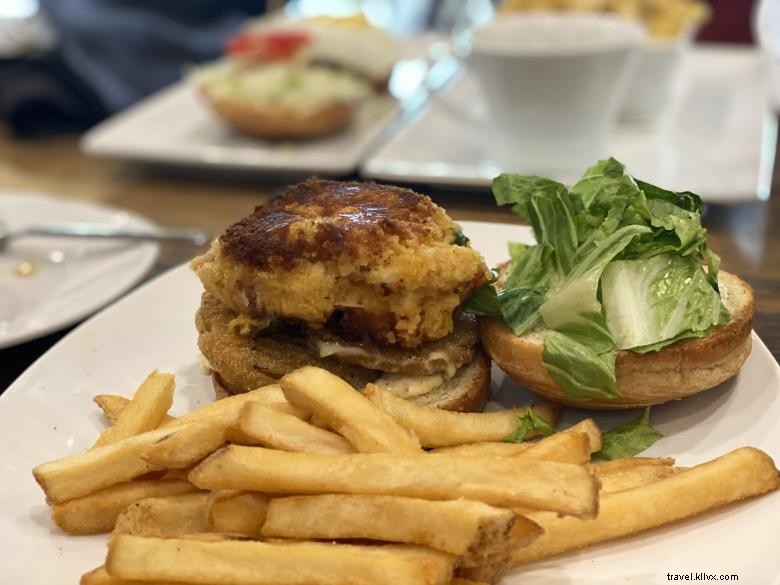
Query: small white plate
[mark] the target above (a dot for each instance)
(70, 278)
(174, 126)
(717, 137)
(48, 413)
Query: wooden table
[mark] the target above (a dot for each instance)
(747, 236)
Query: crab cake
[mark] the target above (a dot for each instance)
(364, 279)
(377, 262)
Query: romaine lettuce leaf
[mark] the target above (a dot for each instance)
(511, 188)
(520, 308)
(684, 199)
(629, 439)
(552, 218)
(550, 210)
(516, 249)
(655, 300)
(611, 199)
(528, 425)
(574, 313)
(533, 268)
(484, 302)
(686, 225)
(608, 233)
(605, 183)
(578, 369)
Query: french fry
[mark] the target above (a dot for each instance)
(144, 412)
(113, 405)
(264, 425)
(100, 576)
(589, 427)
(740, 474)
(486, 449)
(631, 477)
(77, 475)
(271, 395)
(442, 428)
(319, 422)
(249, 563)
(187, 444)
(562, 447)
(465, 528)
(491, 567)
(98, 512)
(459, 581)
(602, 468)
(346, 411)
(196, 435)
(166, 516)
(500, 481)
(237, 512)
(618, 478)
(84, 473)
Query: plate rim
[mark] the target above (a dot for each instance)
(180, 272)
(151, 255)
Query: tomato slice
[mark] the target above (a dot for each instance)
(268, 46)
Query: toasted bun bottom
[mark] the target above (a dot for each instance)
(677, 371)
(467, 391)
(280, 122)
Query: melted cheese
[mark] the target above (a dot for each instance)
(329, 348)
(441, 358)
(409, 386)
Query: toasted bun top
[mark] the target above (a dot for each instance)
(676, 371)
(319, 220)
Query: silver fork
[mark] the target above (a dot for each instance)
(186, 235)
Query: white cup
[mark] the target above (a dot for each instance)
(553, 84)
(650, 87)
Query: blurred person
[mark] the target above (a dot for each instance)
(108, 54)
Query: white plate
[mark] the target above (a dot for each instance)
(175, 127)
(716, 139)
(71, 278)
(48, 413)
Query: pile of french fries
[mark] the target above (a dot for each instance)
(309, 482)
(663, 19)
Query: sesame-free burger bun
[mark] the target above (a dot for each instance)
(679, 370)
(278, 122)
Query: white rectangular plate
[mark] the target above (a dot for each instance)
(716, 138)
(174, 126)
(48, 413)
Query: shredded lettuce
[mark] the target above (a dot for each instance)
(618, 264)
